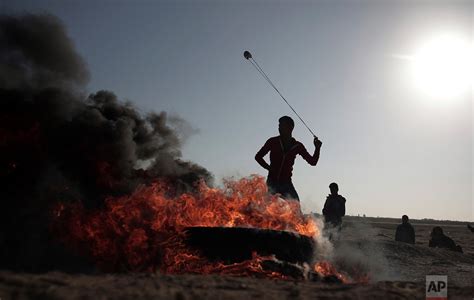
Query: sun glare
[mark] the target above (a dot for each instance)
(443, 67)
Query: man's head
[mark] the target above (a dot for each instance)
(285, 126)
(404, 219)
(334, 188)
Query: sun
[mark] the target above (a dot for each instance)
(442, 67)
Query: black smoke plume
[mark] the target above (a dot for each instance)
(58, 144)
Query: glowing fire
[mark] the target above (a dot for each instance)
(325, 268)
(145, 230)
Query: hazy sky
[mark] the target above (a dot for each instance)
(392, 148)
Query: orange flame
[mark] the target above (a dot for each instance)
(325, 268)
(145, 230)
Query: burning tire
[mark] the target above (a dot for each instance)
(236, 244)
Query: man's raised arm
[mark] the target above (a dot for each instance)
(312, 159)
(261, 153)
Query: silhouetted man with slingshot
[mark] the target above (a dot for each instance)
(283, 150)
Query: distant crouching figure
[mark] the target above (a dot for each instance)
(470, 227)
(439, 240)
(405, 232)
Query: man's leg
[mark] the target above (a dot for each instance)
(272, 187)
(287, 190)
(339, 225)
(292, 192)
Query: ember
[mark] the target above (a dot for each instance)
(325, 268)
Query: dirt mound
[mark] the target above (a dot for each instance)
(390, 260)
(371, 246)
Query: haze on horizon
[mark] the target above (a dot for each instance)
(394, 148)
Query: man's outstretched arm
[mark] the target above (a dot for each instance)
(312, 159)
(261, 153)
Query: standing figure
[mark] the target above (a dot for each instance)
(405, 232)
(334, 207)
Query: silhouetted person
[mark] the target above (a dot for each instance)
(470, 227)
(405, 232)
(334, 207)
(283, 150)
(439, 240)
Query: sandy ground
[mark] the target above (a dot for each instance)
(373, 245)
(398, 272)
